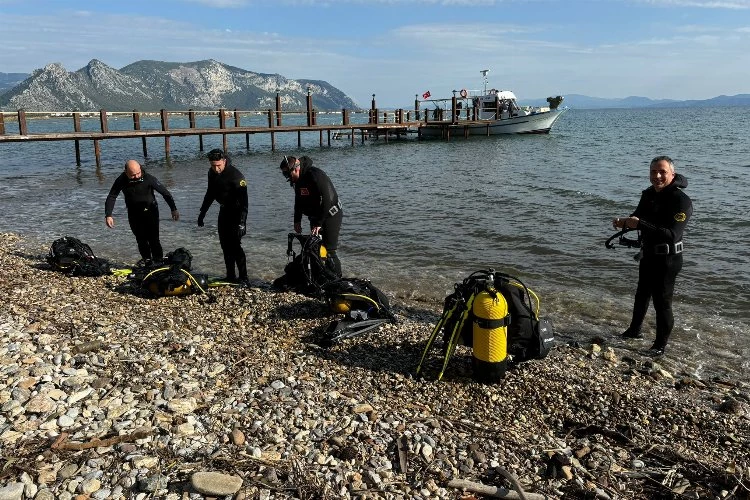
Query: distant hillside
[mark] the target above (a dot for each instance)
(578, 101)
(10, 80)
(153, 85)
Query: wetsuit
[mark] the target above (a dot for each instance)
(662, 218)
(143, 212)
(315, 197)
(229, 188)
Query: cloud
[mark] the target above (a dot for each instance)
(222, 4)
(706, 4)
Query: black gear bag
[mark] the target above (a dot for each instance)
(75, 258)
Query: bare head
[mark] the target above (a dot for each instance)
(661, 172)
(133, 170)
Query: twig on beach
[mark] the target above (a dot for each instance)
(493, 491)
(62, 443)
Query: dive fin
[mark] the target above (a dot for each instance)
(347, 328)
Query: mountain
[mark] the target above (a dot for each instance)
(578, 101)
(154, 85)
(10, 80)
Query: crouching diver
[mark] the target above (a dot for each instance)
(661, 215)
(227, 185)
(315, 197)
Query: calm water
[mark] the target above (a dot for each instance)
(421, 215)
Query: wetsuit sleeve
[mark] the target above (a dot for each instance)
(242, 200)
(327, 194)
(679, 209)
(159, 188)
(297, 207)
(114, 192)
(208, 198)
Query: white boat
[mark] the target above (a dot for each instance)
(487, 112)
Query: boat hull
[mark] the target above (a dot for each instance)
(535, 123)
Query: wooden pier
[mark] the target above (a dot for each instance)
(379, 124)
(386, 124)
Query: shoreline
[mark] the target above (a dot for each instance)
(112, 395)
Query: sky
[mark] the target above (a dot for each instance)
(397, 49)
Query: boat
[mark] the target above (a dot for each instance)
(487, 112)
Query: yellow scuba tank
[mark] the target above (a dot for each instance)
(489, 335)
(169, 282)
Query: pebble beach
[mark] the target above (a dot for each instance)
(106, 392)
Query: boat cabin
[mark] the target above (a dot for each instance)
(496, 105)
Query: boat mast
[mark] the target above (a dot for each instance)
(484, 75)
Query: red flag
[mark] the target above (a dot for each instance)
(426, 95)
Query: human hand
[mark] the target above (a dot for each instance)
(175, 215)
(109, 221)
(201, 216)
(315, 230)
(241, 230)
(297, 227)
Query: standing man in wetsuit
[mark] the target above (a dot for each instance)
(227, 185)
(661, 216)
(143, 212)
(315, 197)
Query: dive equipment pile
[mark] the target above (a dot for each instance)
(307, 271)
(174, 276)
(75, 258)
(493, 313)
(364, 306)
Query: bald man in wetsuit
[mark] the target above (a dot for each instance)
(143, 212)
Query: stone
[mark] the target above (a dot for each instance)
(12, 491)
(182, 406)
(237, 437)
(88, 486)
(215, 483)
(44, 494)
(40, 404)
(153, 483)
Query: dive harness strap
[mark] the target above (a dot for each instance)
(665, 249)
(491, 324)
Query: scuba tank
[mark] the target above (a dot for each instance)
(170, 281)
(490, 335)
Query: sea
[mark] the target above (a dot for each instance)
(420, 215)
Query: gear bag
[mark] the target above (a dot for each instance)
(174, 277)
(365, 308)
(181, 257)
(75, 258)
(308, 270)
(528, 336)
(358, 298)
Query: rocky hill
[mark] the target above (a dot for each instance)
(10, 80)
(153, 85)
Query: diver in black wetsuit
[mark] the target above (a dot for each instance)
(227, 185)
(661, 216)
(315, 197)
(143, 212)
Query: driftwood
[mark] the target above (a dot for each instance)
(403, 450)
(62, 443)
(493, 491)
